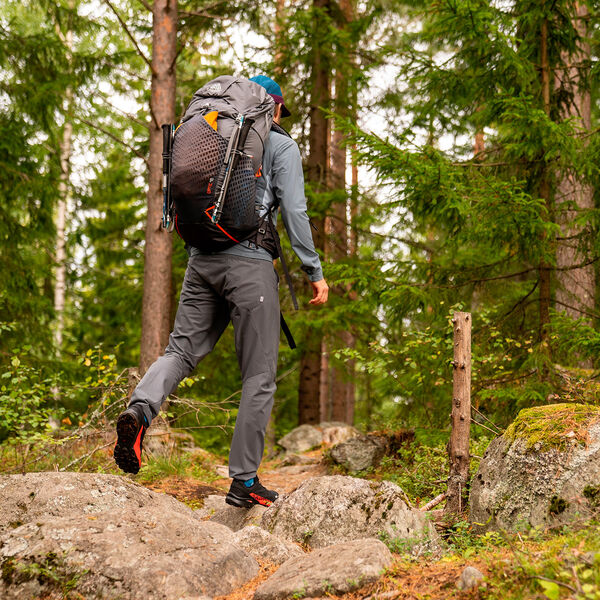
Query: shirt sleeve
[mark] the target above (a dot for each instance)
(287, 180)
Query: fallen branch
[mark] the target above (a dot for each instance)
(434, 502)
(86, 456)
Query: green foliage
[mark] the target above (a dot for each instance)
(50, 570)
(24, 403)
(179, 465)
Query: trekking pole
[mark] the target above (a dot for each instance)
(225, 171)
(232, 160)
(167, 220)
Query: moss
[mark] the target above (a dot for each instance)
(557, 505)
(8, 568)
(592, 493)
(553, 426)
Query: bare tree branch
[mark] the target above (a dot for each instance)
(129, 34)
(124, 113)
(115, 138)
(146, 5)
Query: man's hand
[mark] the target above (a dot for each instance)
(320, 292)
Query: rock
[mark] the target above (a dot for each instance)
(222, 471)
(235, 518)
(543, 471)
(332, 509)
(109, 537)
(294, 460)
(301, 439)
(358, 453)
(212, 504)
(333, 570)
(335, 432)
(469, 578)
(265, 548)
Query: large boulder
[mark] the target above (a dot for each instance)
(301, 439)
(106, 537)
(332, 509)
(358, 453)
(236, 518)
(334, 570)
(335, 432)
(543, 471)
(265, 548)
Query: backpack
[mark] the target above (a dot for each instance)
(210, 166)
(216, 158)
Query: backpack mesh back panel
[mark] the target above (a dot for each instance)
(198, 152)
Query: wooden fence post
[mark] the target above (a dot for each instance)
(460, 418)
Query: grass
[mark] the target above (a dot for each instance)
(176, 465)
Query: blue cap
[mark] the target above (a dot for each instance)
(273, 90)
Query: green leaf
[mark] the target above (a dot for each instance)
(551, 589)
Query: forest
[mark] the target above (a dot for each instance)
(451, 163)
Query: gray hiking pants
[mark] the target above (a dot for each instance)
(216, 289)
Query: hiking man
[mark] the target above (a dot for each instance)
(238, 284)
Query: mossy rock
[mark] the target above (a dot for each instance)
(543, 472)
(553, 426)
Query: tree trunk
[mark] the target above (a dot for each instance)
(63, 199)
(278, 56)
(575, 293)
(324, 397)
(341, 387)
(317, 167)
(458, 445)
(156, 306)
(61, 218)
(544, 268)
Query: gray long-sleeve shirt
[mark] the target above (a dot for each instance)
(282, 178)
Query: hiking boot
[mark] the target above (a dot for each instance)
(244, 496)
(131, 429)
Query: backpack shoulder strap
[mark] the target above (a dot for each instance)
(279, 129)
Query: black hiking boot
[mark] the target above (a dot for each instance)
(244, 496)
(131, 429)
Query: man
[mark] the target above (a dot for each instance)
(238, 284)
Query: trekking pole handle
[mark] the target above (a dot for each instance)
(167, 130)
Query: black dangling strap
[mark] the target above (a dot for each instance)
(286, 330)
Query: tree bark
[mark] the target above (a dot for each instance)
(156, 303)
(460, 418)
(60, 281)
(576, 287)
(61, 218)
(544, 268)
(341, 393)
(317, 167)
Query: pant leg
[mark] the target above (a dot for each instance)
(253, 296)
(201, 318)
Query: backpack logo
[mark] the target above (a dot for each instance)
(213, 89)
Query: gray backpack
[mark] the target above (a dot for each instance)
(215, 159)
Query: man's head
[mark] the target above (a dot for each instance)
(275, 92)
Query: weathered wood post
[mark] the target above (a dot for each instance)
(460, 418)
